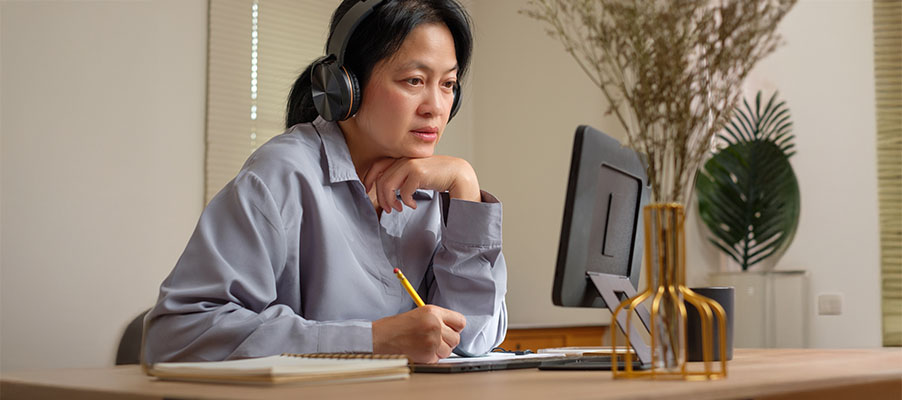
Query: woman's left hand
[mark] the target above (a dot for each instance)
(441, 173)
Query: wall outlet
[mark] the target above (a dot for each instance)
(829, 304)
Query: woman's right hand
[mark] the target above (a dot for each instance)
(405, 175)
(425, 334)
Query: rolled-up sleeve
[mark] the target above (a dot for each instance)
(470, 272)
(221, 300)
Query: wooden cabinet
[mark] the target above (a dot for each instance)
(539, 338)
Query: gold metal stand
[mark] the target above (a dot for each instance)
(665, 262)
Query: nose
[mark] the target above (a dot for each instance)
(434, 102)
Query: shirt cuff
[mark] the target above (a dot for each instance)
(474, 223)
(345, 337)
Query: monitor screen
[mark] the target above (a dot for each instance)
(601, 231)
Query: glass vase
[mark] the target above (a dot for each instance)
(665, 261)
(665, 272)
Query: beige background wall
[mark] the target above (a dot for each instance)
(101, 134)
(102, 168)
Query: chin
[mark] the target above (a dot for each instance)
(419, 152)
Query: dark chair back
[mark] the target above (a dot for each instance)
(130, 345)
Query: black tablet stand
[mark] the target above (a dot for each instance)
(614, 289)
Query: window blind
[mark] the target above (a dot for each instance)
(888, 85)
(256, 50)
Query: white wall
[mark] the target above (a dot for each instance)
(102, 162)
(529, 96)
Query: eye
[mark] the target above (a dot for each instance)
(450, 84)
(414, 81)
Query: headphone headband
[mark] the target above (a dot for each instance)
(346, 27)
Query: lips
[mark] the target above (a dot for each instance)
(428, 133)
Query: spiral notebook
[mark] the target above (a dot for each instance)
(287, 368)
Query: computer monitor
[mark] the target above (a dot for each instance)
(602, 230)
(600, 252)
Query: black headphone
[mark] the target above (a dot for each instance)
(336, 92)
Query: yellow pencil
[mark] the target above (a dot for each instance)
(406, 284)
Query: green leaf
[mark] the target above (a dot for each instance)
(770, 108)
(758, 106)
(727, 250)
(775, 125)
(749, 132)
(748, 195)
(734, 134)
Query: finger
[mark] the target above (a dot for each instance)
(375, 171)
(410, 185)
(453, 319)
(384, 196)
(443, 352)
(391, 180)
(416, 179)
(385, 192)
(380, 196)
(430, 359)
(450, 337)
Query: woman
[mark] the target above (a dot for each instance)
(296, 253)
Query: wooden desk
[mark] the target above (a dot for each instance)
(770, 374)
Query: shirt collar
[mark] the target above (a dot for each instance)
(338, 157)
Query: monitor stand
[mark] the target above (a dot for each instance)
(614, 289)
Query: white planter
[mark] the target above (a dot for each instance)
(771, 308)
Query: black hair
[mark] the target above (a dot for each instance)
(378, 37)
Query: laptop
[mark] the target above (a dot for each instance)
(543, 361)
(493, 361)
(589, 358)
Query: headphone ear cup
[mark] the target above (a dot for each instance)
(356, 95)
(456, 104)
(332, 90)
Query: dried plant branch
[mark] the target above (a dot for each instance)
(671, 70)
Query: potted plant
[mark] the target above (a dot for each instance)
(748, 198)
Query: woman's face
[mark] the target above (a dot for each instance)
(408, 98)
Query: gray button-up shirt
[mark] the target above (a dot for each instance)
(291, 257)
